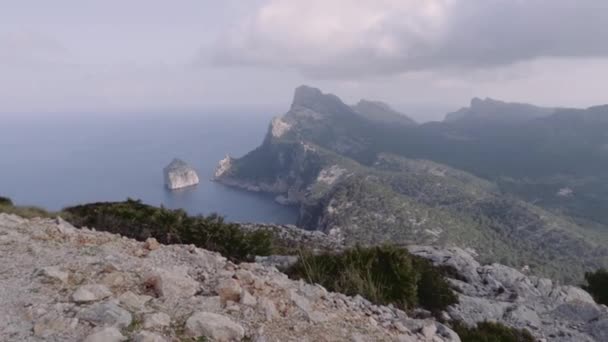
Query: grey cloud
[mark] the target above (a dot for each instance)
(460, 34)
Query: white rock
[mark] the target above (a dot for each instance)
(151, 244)
(133, 302)
(107, 334)
(247, 298)
(269, 309)
(229, 289)
(91, 293)
(179, 174)
(147, 336)
(106, 314)
(216, 327)
(172, 284)
(245, 276)
(157, 320)
(223, 166)
(53, 273)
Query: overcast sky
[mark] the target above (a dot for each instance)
(421, 56)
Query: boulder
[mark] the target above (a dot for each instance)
(91, 293)
(157, 320)
(213, 326)
(107, 334)
(54, 274)
(106, 314)
(172, 284)
(229, 290)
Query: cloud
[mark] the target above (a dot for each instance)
(351, 38)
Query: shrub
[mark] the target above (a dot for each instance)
(597, 285)
(383, 275)
(7, 206)
(434, 292)
(139, 221)
(491, 332)
(5, 201)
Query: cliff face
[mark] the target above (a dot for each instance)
(178, 174)
(338, 167)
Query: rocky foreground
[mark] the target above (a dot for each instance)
(58, 283)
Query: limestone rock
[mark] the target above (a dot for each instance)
(53, 273)
(179, 174)
(91, 293)
(269, 309)
(216, 327)
(133, 302)
(147, 336)
(229, 290)
(172, 284)
(106, 314)
(107, 334)
(151, 244)
(247, 298)
(157, 320)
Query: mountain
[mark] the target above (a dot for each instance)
(490, 111)
(382, 113)
(369, 183)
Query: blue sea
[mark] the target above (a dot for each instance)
(54, 161)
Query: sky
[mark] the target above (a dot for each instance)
(424, 57)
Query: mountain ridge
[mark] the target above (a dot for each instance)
(332, 169)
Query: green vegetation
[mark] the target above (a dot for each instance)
(139, 221)
(383, 275)
(491, 332)
(5, 201)
(597, 285)
(7, 206)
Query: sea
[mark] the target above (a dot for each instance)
(54, 161)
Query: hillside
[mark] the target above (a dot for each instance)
(84, 285)
(331, 162)
(93, 286)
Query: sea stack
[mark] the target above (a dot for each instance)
(179, 175)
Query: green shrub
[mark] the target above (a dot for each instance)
(491, 332)
(7, 206)
(139, 221)
(5, 201)
(434, 292)
(383, 275)
(597, 285)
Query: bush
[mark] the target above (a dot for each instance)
(7, 206)
(383, 275)
(597, 285)
(491, 332)
(139, 221)
(434, 292)
(5, 201)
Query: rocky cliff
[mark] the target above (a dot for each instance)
(178, 174)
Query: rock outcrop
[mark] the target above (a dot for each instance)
(550, 311)
(169, 293)
(179, 175)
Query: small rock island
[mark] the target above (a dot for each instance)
(180, 174)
